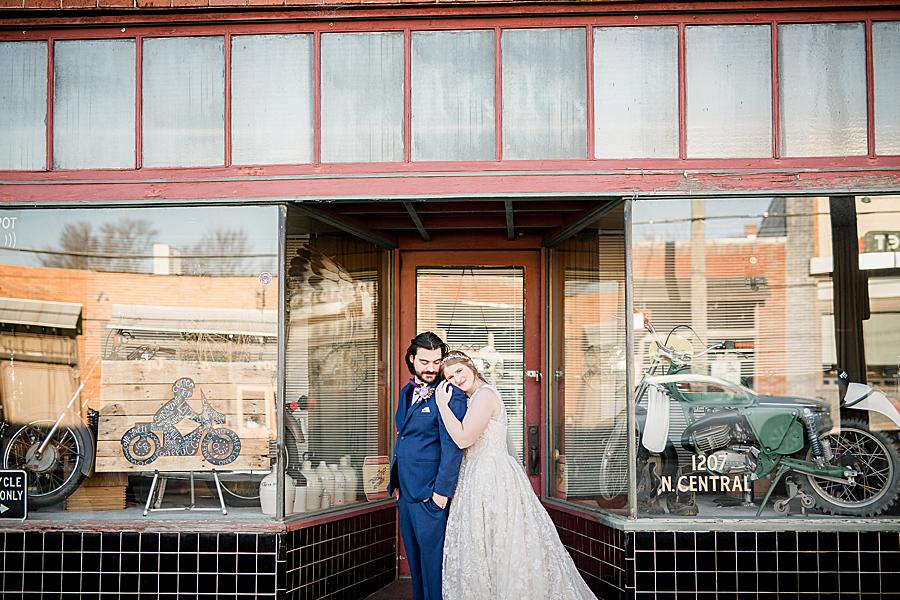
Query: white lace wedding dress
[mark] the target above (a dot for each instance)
(500, 542)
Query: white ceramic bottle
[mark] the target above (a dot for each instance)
(351, 481)
(327, 480)
(267, 493)
(313, 487)
(299, 493)
(339, 485)
(289, 493)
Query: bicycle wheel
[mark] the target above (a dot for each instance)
(59, 470)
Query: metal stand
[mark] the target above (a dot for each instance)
(193, 506)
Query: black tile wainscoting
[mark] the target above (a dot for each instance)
(346, 558)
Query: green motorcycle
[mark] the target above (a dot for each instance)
(736, 436)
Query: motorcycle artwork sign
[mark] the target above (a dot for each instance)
(219, 445)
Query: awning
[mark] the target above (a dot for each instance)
(176, 319)
(19, 311)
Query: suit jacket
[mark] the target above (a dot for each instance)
(426, 459)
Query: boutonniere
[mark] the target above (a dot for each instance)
(425, 391)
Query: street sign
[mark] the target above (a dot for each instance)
(13, 495)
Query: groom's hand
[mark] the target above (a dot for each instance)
(439, 500)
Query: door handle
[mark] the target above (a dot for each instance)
(534, 445)
(536, 375)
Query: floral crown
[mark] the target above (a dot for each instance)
(456, 355)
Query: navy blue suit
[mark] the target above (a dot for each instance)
(425, 460)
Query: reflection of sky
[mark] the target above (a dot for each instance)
(179, 227)
(671, 219)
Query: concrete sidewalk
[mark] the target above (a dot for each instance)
(398, 590)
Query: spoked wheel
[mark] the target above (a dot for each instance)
(876, 458)
(613, 483)
(57, 471)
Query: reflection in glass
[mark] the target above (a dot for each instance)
(93, 104)
(544, 94)
(729, 91)
(337, 408)
(822, 76)
(23, 105)
(589, 433)
(362, 97)
(453, 95)
(743, 288)
(636, 92)
(480, 311)
(886, 61)
(183, 101)
(168, 316)
(272, 99)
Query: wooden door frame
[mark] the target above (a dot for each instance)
(533, 263)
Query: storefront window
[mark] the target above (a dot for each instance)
(272, 99)
(729, 91)
(886, 64)
(338, 405)
(822, 79)
(636, 92)
(362, 97)
(589, 445)
(453, 95)
(544, 93)
(168, 318)
(183, 101)
(740, 359)
(23, 105)
(93, 104)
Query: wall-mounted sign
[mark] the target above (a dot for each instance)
(13, 495)
(881, 241)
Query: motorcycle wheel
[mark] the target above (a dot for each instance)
(613, 483)
(221, 447)
(59, 471)
(140, 448)
(875, 455)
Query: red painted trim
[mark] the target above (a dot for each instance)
(407, 96)
(776, 94)
(227, 99)
(590, 91)
(295, 522)
(870, 91)
(498, 94)
(558, 14)
(317, 98)
(138, 102)
(542, 413)
(682, 96)
(48, 119)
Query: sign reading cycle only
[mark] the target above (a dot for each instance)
(13, 495)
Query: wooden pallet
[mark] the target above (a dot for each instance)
(132, 392)
(102, 491)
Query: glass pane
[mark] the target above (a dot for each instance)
(362, 97)
(184, 102)
(272, 99)
(23, 105)
(729, 91)
(822, 76)
(480, 311)
(886, 57)
(337, 367)
(169, 316)
(636, 92)
(589, 434)
(453, 95)
(753, 281)
(544, 94)
(93, 104)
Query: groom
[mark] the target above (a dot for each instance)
(425, 465)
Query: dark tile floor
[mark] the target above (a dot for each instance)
(399, 590)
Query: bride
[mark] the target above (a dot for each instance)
(500, 542)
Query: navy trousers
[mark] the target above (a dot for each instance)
(422, 525)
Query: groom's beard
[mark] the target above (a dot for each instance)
(426, 376)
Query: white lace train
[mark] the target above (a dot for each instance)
(500, 542)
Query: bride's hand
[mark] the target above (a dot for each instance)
(442, 393)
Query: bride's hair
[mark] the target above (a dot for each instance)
(455, 357)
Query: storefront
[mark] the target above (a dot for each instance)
(665, 234)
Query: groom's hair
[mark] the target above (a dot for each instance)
(427, 340)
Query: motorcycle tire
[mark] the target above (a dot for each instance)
(221, 447)
(140, 447)
(883, 455)
(53, 478)
(613, 480)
